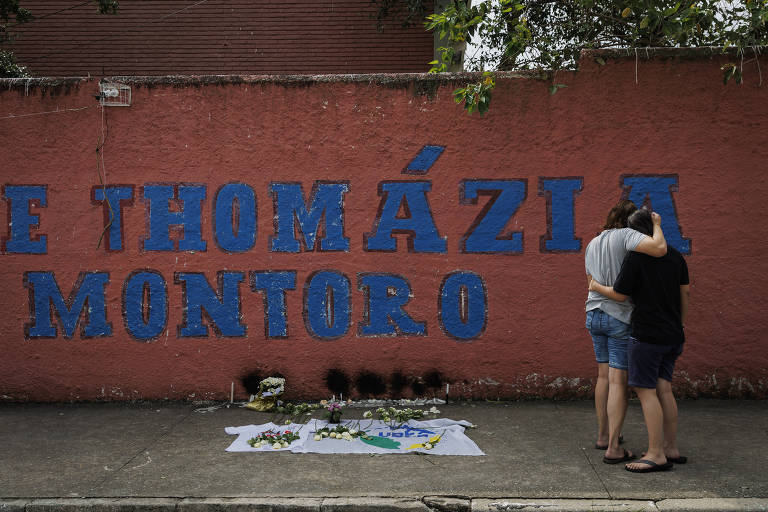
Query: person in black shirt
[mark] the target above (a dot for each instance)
(659, 287)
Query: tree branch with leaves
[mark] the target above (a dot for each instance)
(549, 35)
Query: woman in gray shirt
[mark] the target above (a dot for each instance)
(608, 322)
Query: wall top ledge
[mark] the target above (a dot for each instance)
(425, 82)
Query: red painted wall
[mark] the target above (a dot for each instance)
(674, 118)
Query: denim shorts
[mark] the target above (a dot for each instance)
(649, 362)
(610, 338)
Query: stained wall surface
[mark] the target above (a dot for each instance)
(367, 225)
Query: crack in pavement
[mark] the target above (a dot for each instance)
(594, 469)
(145, 450)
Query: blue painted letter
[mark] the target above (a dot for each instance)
(273, 286)
(116, 197)
(656, 190)
(145, 321)
(386, 295)
(326, 305)
(222, 307)
(560, 194)
(484, 235)
(235, 217)
(161, 218)
(462, 307)
(20, 198)
(290, 206)
(44, 292)
(416, 221)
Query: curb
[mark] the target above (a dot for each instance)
(379, 504)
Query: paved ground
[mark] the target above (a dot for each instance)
(540, 456)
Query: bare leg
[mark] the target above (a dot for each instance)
(601, 404)
(654, 422)
(617, 410)
(669, 409)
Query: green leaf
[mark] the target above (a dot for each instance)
(626, 12)
(644, 23)
(600, 61)
(555, 87)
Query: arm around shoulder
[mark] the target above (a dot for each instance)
(655, 245)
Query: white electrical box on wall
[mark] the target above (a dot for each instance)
(114, 94)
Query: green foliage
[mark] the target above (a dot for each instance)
(11, 14)
(551, 34)
(476, 96)
(409, 12)
(9, 68)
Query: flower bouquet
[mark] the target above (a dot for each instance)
(274, 439)
(269, 390)
(333, 412)
(340, 432)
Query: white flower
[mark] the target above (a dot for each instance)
(367, 414)
(277, 446)
(325, 434)
(333, 435)
(285, 444)
(318, 437)
(353, 431)
(428, 446)
(434, 410)
(287, 422)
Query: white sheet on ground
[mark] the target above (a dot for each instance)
(385, 437)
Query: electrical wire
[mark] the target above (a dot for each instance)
(57, 111)
(101, 170)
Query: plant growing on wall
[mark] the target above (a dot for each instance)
(549, 35)
(11, 15)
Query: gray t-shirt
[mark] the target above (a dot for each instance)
(603, 259)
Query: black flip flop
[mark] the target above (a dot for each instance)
(605, 447)
(652, 467)
(627, 456)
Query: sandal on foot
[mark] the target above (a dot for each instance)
(651, 466)
(627, 456)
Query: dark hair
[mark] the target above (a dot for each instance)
(617, 217)
(642, 221)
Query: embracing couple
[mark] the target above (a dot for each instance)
(637, 303)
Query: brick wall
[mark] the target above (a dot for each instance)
(216, 37)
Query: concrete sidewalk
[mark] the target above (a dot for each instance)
(540, 456)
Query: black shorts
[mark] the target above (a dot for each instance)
(649, 362)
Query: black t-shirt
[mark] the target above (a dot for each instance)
(654, 285)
